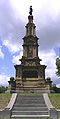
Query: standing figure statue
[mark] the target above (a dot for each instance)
(31, 10)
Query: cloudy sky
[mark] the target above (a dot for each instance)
(13, 18)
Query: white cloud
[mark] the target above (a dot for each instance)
(12, 47)
(43, 10)
(1, 53)
(51, 7)
(49, 59)
(10, 27)
(46, 16)
(4, 79)
(16, 58)
(58, 85)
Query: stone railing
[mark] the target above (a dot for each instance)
(6, 113)
(53, 112)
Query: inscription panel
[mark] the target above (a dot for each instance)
(30, 74)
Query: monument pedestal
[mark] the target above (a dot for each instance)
(31, 79)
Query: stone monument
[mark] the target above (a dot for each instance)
(30, 74)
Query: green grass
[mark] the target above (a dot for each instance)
(4, 99)
(55, 99)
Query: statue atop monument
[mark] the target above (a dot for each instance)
(31, 10)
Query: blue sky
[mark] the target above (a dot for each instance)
(13, 18)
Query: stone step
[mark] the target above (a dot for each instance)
(30, 109)
(32, 90)
(30, 97)
(30, 105)
(41, 99)
(29, 112)
(30, 116)
(31, 101)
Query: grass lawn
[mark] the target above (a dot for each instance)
(4, 99)
(55, 99)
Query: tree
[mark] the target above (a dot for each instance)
(58, 66)
(56, 89)
(3, 89)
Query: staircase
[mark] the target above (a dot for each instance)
(30, 107)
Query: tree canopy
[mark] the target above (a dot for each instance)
(58, 66)
(3, 89)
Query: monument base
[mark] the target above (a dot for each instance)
(30, 89)
(32, 85)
